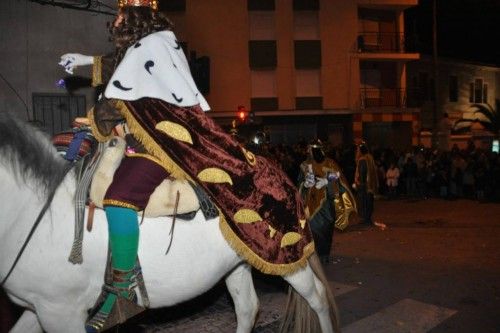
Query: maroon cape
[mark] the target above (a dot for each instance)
(261, 212)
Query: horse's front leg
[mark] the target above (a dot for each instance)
(240, 285)
(27, 323)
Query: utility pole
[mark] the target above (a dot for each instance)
(435, 108)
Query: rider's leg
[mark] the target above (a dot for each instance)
(124, 242)
(133, 182)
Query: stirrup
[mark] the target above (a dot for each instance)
(123, 308)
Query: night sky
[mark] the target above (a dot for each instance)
(467, 29)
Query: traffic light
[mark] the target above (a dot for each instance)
(242, 114)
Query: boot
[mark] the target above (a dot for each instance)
(124, 306)
(118, 300)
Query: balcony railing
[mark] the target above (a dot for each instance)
(384, 42)
(396, 97)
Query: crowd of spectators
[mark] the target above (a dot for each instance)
(419, 173)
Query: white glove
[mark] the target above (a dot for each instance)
(321, 182)
(70, 61)
(331, 176)
(310, 180)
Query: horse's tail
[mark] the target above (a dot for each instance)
(299, 317)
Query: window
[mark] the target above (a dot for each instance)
(307, 54)
(308, 90)
(309, 103)
(478, 91)
(264, 103)
(262, 54)
(305, 4)
(453, 88)
(260, 5)
(263, 90)
(56, 112)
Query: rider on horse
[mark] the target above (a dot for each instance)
(152, 100)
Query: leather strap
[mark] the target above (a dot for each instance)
(90, 217)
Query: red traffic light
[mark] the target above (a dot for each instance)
(242, 113)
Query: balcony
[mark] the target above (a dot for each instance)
(384, 42)
(389, 98)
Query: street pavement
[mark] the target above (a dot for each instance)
(435, 268)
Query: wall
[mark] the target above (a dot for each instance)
(466, 73)
(32, 39)
(340, 71)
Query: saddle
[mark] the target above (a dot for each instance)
(95, 164)
(162, 200)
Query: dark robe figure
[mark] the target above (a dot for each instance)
(366, 182)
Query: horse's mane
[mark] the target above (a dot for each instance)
(29, 153)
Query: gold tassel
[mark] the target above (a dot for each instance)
(253, 259)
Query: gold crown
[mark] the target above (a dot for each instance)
(136, 3)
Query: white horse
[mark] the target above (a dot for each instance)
(57, 294)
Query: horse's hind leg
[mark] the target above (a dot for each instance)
(27, 323)
(240, 285)
(313, 291)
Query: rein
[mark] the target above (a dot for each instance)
(68, 167)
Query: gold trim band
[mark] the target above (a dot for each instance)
(118, 203)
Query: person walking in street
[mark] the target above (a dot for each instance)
(327, 198)
(366, 183)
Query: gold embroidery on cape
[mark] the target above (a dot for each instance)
(150, 144)
(175, 131)
(215, 175)
(234, 241)
(249, 156)
(290, 238)
(272, 232)
(302, 223)
(255, 260)
(246, 216)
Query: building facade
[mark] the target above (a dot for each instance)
(304, 69)
(460, 84)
